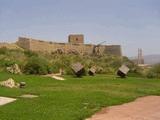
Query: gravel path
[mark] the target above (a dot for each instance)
(145, 108)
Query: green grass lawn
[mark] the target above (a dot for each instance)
(73, 99)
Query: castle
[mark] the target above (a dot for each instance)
(75, 45)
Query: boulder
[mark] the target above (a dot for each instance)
(14, 69)
(10, 83)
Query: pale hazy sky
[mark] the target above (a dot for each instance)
(131, 23)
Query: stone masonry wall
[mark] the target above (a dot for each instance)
(43, 46)
(23, 42)
(113, 50)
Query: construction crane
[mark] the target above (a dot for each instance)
(96, 49)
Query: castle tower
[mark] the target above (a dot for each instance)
(76, 39)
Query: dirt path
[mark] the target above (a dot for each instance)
(6, 100)
(55, 76)
(146, 108)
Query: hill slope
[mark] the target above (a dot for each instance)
(152, 59)
(10, 46)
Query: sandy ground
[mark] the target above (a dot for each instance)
(28, 96)
(145, 108)
(6, 100)
(55, 76)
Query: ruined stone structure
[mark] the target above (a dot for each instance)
(75, 45)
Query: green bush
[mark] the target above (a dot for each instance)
(151, 74)
(3, 50)
(29, 53)
(37, 65)
(154, 72)
(6, 63)
(43, 63)
(156, 68)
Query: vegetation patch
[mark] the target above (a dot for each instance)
(73, 99)
(43, 63)
(154, 72)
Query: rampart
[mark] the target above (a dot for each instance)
(71, 47)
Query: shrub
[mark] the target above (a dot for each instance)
(154, 72)
(6, 63)
(43, 63)
(29, 53)
(3, 50)
(37, 65)
(156, 68)
(151, 74)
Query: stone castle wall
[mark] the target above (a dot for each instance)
(113, 50)
(43, 46)
(23, 43)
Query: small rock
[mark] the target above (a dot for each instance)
(22, 84)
